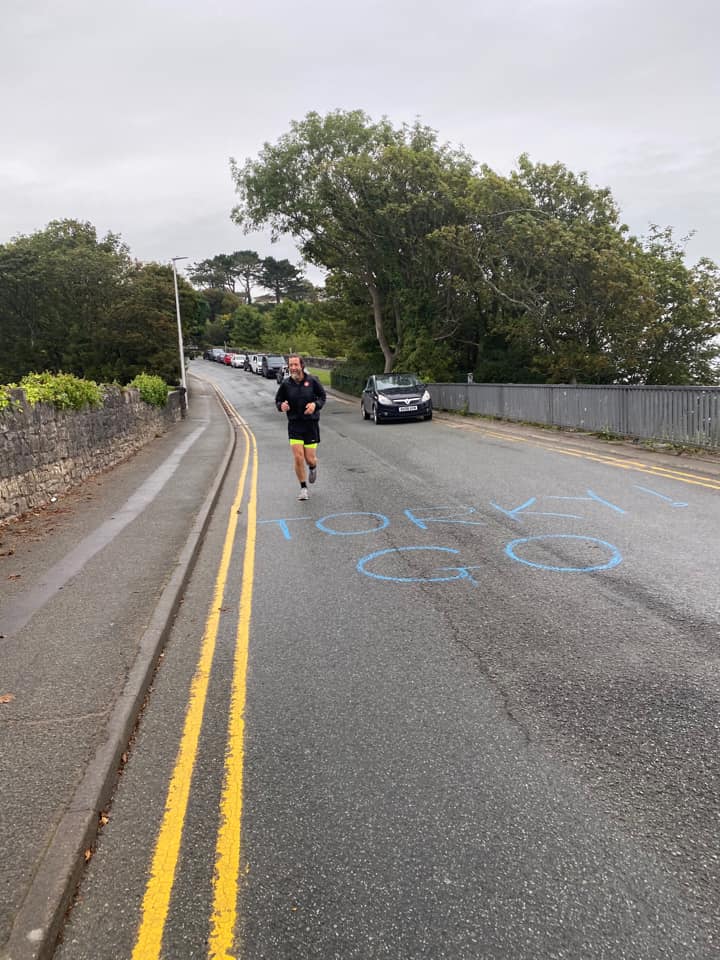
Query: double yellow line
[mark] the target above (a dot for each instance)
(156, 901)
(654, 470)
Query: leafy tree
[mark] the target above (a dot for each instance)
(248, 268)
(224, 271)
(431, 359)
(72, 302)
(283, 320)
(141, 332)
(215, 273)
(56, 287)
(220, 330)
(360, 198)
(680, 344)
(218, 301)
(279, 276)
(545, 284)
(560, 194)
(304, 290)
(248, 326)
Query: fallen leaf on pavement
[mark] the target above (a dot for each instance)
(14, 576)
(7, 697)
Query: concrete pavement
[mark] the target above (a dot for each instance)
(89, 587)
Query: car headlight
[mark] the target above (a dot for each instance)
(385, 400)
(426, 397)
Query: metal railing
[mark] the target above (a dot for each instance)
(682, 415)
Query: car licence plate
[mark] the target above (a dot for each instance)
(406, 409)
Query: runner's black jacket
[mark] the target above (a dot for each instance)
(309, 390)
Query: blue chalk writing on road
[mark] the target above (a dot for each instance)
(592, 496)
(422, 522)
(460, 573)
(615, 555)
(513, 514)
(673, 503)
(283, 524)
(322, 525)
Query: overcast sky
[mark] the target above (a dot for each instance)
(126, 114)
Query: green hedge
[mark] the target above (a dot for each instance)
(65, 391)
(351, 377)
(153, 390)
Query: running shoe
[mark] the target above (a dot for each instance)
(303, 495)
(312, 474)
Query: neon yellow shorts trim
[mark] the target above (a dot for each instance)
(309, 446)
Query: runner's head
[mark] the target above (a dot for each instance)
(296, 366)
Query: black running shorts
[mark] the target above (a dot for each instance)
(308, 431)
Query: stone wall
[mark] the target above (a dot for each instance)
(44, 452)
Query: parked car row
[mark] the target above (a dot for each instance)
(220, 356)
(388, 396)
(270, 365)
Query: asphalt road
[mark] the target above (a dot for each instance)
(462, 703)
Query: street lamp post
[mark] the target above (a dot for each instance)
(179, 330)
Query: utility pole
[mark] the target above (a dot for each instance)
(179, 330)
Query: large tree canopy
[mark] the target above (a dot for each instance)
(280, 277)
(360, 198)
(55, 288)
(73, 302)
(224, 271)
(526, 277)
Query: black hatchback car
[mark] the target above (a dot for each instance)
(271, 365)
(395, 396)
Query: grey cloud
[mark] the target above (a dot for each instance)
(126, 115)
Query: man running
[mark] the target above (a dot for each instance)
(301, 396)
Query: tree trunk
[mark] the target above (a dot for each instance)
(388, 353)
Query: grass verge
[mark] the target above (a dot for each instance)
(322, 375)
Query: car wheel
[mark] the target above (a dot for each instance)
(429, 416)
(375, 416)
(363, 411)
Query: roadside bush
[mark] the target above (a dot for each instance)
(64, 391)
(5, 400)
(351, 377)
(428, 359)
(153, 390)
